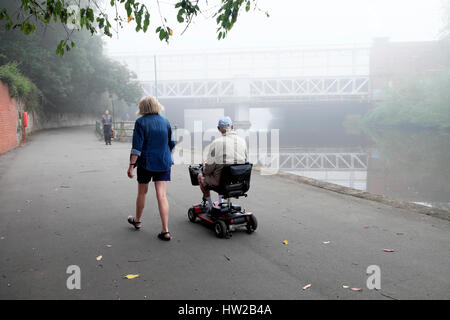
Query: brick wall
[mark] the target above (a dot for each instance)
(11, 136)
(8, 120)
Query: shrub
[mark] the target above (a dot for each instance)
(20, 87)
(418, 102)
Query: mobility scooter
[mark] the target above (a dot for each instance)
(224, 217)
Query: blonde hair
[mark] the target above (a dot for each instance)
(149, 105)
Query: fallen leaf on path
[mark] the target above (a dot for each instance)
(131, 276)
(99, 258)
(285, 242)
(388, 250)
(356, 289)
(307, 287)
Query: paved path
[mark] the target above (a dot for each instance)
(65, 196)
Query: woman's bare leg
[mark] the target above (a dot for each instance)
(163, 204)
(140, 201)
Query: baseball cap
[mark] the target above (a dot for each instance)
(225, 123)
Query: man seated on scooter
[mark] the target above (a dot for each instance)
(227, 149)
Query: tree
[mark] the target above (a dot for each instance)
(89, 15)
(79, 82)
(422, 100)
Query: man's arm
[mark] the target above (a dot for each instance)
(209, 165)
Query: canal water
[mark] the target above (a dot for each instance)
(406, 164)
(326, 142)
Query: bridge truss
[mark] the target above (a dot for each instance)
(313, 88)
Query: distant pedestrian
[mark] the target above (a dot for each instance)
(107, 122)
(151, 153)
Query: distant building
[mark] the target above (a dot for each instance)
(391, 61)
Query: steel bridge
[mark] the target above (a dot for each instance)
(305, 74)
(303, 88)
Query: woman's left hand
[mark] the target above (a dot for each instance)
(130, 172)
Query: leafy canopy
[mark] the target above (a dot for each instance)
(89, 15)
(83, 82)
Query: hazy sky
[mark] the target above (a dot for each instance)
(291, 23)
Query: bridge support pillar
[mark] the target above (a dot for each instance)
(242, 108)
(241, 118)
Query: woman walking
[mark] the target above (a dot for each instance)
(151, 153)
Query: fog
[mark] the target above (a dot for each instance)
(291, 23)
(327, 120)
(324, 40)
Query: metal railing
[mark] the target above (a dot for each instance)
(317, 161)
(304, 61)
(309, 88)
(123, 130)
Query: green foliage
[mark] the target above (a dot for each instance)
(419, 102)
(90, 17)
(228, 14)
(78, 82)
(20, 87)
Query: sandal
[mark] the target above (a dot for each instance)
(162, 236)
(137, 225)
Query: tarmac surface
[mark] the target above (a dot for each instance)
(65, 196)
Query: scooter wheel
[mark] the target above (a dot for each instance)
(192, 215)
(252, 224)
(220, 229)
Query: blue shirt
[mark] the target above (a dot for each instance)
(152, 142)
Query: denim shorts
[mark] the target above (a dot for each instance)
(144, 176)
